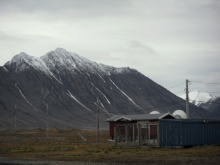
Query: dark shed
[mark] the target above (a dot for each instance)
(189, 132)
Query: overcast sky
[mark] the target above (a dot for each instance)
(168, 41)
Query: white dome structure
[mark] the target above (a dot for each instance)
(155, 112)
(179, 114)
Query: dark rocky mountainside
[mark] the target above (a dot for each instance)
(70, 85)
(213, 106)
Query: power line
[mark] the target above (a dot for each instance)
(7, 43)
(208, 102)
(93, 113)
(203, 92)
(110, 112)
(157, 96)
(175, 85)
(120, 112)
(116, 112)
(178, 92)
(211, 92)
(203, 82)
(153, 107)
(74, 116)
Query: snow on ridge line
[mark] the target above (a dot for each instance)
(25, 98)
(64, 57)
(101, 93)
(124, 94)
(35, 62)
(61, 57)
(83, 62)
(69, 94)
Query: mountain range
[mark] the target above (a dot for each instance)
(205, 100)
(70, 84)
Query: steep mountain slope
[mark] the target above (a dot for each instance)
(206, 101)
(70, 85)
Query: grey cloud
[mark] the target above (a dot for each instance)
(137, 46)
(25, 38)
(182, 9)
(167, 41)
(78, 8)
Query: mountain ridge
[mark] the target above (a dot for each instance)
(71, 90)
(61, 57)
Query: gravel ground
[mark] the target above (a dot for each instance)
(151, 161)
(18, 162)
(14, 161)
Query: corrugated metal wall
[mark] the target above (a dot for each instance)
(186, 132)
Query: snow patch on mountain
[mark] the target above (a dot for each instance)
(69, 94)
(25, 98)
(88, 74)
(101, 93)
(5, 69)
(93, 92)
(103, 107)
(102, 78)
(124, 94)
(55, 77)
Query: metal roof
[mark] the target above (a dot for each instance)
(139, 117)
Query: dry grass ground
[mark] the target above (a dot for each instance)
(67, 145)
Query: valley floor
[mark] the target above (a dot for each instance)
(26, 149)
(119, 160)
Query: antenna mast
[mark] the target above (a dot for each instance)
(97, 119)
(187, 99)
(15, 118)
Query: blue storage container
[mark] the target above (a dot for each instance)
(188, 132)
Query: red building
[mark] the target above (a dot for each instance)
(127, 125)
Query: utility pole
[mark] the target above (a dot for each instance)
(97, 119)
(47, 123)
(187, 99)
(15, 118)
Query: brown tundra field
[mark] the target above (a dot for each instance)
(71, 146)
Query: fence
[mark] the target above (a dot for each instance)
(136, 134)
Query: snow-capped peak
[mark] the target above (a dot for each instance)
(58, 59)
(198, 97)
(19, 58)
(22, 61)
